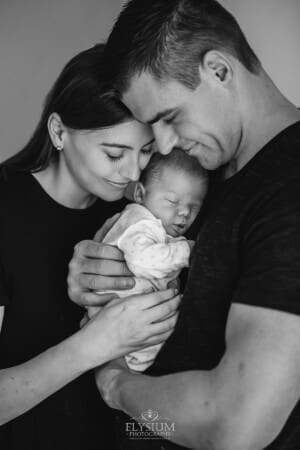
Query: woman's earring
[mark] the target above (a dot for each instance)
(59, 147)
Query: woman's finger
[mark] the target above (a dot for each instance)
(162, 311)
(87, 298)
(151, 300)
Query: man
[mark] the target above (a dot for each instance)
(229, 377)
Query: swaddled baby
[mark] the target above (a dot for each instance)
(150, 231)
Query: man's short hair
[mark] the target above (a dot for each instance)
(178, 160)
(169, 38)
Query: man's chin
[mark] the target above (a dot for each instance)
(206, 157)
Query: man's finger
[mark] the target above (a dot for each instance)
(100, 235)
(92, 249)
(103, 283)
(104, 267)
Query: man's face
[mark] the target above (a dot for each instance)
(203, 121)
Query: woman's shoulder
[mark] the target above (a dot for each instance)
(12, 183)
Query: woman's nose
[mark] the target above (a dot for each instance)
(165, 136)
(131, 170)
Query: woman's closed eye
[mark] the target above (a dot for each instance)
(148, 150)
(114, 158)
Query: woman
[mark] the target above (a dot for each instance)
(54, 193)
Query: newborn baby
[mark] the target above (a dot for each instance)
(150, 231)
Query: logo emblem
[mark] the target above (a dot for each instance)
(150, 415)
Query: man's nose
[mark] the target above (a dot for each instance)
(165, 136)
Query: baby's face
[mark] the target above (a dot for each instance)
(175, 198)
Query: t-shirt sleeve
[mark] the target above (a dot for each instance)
(270, 256)
(3, 288)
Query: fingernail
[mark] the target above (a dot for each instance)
(176, 291)
(131, 282)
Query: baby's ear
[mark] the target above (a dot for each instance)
(138, 192)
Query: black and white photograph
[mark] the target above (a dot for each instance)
(149, 225)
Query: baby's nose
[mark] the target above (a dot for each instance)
(183, 211)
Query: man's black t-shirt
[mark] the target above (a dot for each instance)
(247, 251)
(37, 238)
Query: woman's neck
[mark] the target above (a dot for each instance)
(61, 186)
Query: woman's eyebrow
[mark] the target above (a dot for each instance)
(114, 144)
(123, 146)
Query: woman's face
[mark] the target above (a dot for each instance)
(103, 162)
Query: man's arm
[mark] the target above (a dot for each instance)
(242, 404)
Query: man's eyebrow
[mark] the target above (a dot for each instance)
(160, 115)
(123, 146)
(150, 142)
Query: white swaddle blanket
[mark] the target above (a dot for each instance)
(154, 258)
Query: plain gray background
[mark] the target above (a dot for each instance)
(37, 37)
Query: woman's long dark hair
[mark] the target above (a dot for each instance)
(83, 102)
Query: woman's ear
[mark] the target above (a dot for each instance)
(139, 193)
(55, 130)
(217, 65)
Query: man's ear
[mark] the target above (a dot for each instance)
(216, 64)
(56, 129)
(139, 193)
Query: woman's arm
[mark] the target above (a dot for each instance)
(117, 330)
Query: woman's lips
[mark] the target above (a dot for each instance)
(118, 185)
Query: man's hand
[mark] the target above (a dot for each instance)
(96, 266)
(106, 380)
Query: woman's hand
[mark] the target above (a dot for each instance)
(127, 325)
(95, 267)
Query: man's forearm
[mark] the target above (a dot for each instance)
(177, 397)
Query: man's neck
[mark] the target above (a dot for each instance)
(266, 113)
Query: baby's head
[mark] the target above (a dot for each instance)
(173, 187)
